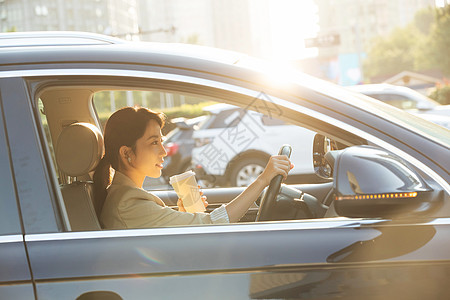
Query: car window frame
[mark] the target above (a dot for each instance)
(200, 85)
(59, 194)
(10, 221)
(39, 207)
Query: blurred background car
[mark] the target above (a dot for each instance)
(407, 99)
(233, 145)
(179, 144)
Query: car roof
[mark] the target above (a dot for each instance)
(386, 88)
(99, 49)
(76, 42)
(183, 122)
(55, 38)
(376, 87)
(383, 88)
(217, 108)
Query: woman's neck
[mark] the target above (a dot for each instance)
(138, 179)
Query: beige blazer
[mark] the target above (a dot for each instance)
(127, 206)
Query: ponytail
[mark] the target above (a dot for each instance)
(102, 179)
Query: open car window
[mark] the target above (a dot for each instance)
(225, 158)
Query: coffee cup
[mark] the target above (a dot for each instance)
(185, 185)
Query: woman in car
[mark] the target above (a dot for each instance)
(134, 149)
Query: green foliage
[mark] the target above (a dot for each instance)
(187, 110)
(392, 54)
(422, 45)
(424, 20)
(441, 94)
(191, 108)
(440, 39)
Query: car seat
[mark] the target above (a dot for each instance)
(78, 152)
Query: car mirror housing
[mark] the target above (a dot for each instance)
(322, 167)
(325, 151)
(371, 182)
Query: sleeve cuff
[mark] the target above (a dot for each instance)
(219, 215)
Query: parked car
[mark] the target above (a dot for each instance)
(179, 144)
(233, 146)
(407, 99)
(377, 228)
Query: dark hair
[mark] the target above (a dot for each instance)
(123, 128)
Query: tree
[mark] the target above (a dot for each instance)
(441, 94)
(421, 45)
(392, 54)
(424, 20)
(440, 39)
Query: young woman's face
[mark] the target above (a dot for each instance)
(150, 152)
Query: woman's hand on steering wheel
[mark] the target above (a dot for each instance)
(277, 165)
(277, 169)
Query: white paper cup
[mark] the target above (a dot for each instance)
(185, 185)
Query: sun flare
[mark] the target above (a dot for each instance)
(292, 21)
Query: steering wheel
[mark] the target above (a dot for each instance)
(268, 200)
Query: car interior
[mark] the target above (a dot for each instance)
(72, 130)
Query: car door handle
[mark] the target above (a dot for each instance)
(99, 295)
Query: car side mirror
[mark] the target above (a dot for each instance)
(371, 182)
(320, 147)
(323, 156)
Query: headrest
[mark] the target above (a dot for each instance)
(79, 149)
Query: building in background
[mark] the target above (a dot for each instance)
(262, 28)
(347, 28)
(232, 27)
(237, 25)
(118, 17)
(175, 21)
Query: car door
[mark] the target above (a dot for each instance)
(301, 259)
(292, 259)
(15, 277)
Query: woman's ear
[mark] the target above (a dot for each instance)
(125, 154)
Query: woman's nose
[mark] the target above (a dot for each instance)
(163, 151)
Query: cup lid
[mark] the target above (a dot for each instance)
(181, 176)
